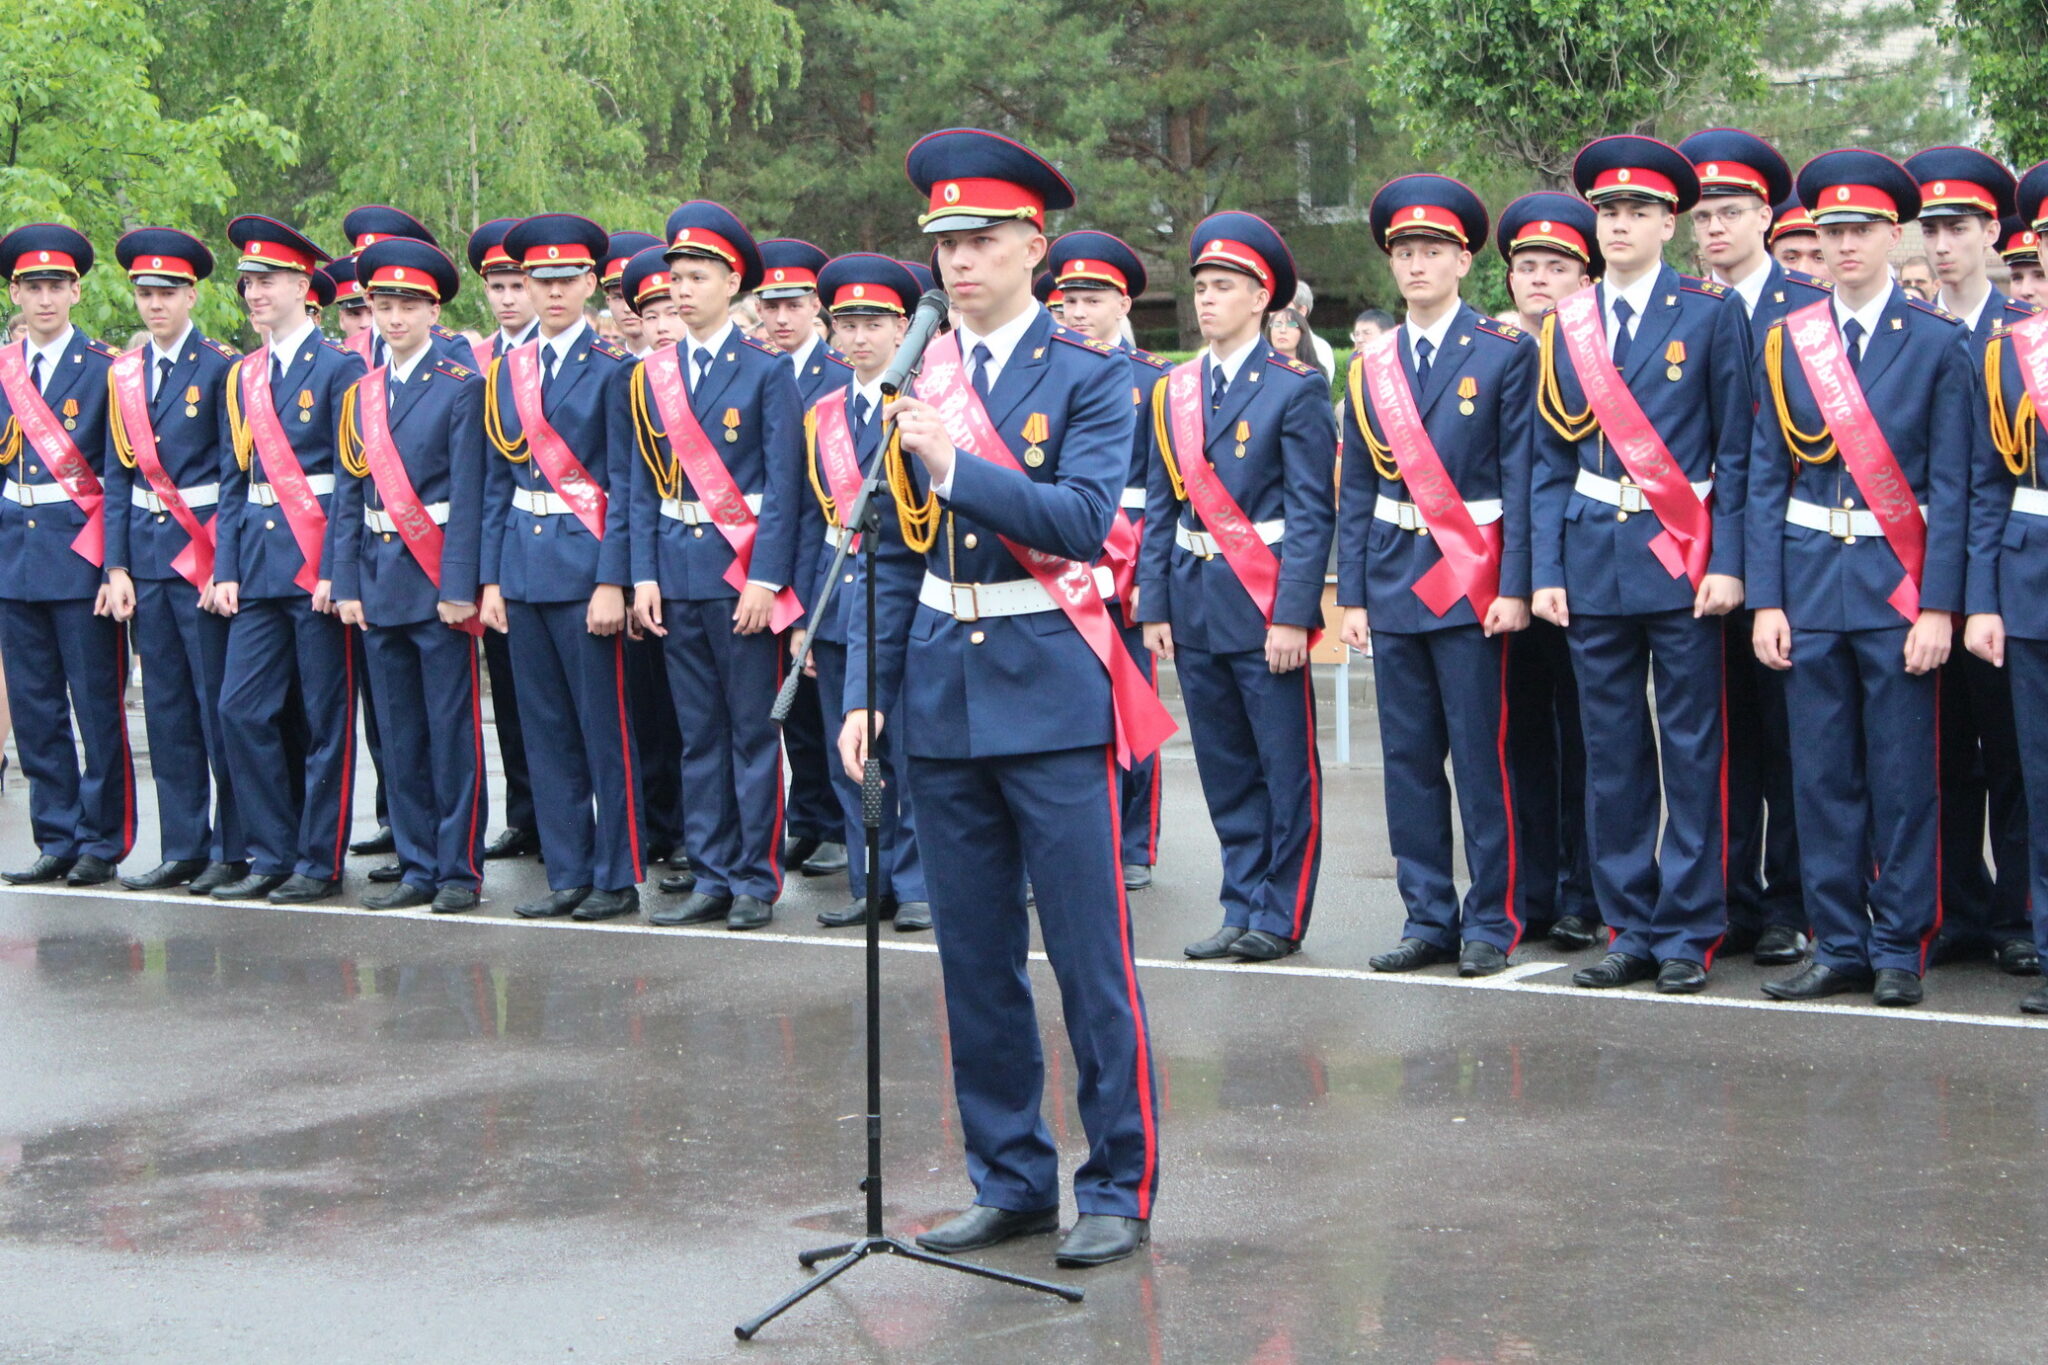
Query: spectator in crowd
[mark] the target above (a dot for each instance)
(17, 327)
(1369, 324)
(1317, 351)
(1916, 277)
(1287, 332)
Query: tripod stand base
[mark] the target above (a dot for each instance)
(849, 1254)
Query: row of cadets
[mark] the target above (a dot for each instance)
(1550, 242)
(1794, 241)
(715, 504)
(1636, 519)
(2019, 246)
(1239, 516)
(408, 519)
(1098, 276)
(2007, 592)
(789, 304)
(554, 567)
(166, 418)
(1858, 484)
(869, 299)
(64, 653)
(1433, 566)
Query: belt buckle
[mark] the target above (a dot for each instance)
(1632, 499)
(1408, 516)
(1838, 523)
(1204, 544)
(692, 514)
(966, 602)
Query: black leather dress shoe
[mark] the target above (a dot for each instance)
(513, 843)
(403, 896)
(698, 908)
(2035, 1001)
(164, 876)
(1573, 932)
(748, 912)
(1817, 982)
(453, 900)
(1896, 987)
(1256, 945)
(600, 905)
(1099, 1238)
(1777, 946)
(855, 912)
(299, 890)
(1616, 969)
(217, 874)
(796, 850)
(676, 883)
(48, 868)
(2017, 957)
(1480, 958)
(390, 872)
(827, 860)
(912, 916)
(554, 905)
(89, 870)
(1741, 938)
(253, 887)
(982, 1226)
(1216, 945)
(1676, 976)
(1411, 955)
(1137, 877)
(380, 842)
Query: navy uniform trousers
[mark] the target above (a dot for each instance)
(902, 866)
(1142, 780)
(1547, 753)
(2026, 660)
(658, 746)
(427, 699)
(724, 685)
(511, 737)
(810, 735)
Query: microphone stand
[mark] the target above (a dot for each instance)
(875, 1241)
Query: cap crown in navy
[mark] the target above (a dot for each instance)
(556, 245)
(790, 267)
(1552, 221)
(1852, 185)
(1955, 181)
(1246, 243)
(2033, 196)
(375, 222)
(1627, 166)
(1428, 206)
(1731, 161)
(1044, 286)
(973, 178)
(163, 256)
(645, 277)
(487, 247)
(2017, 241)
(713, 232)
(321, 290)
(268, 243)
(347, 287)
(623, 247)
(866, 282)
(1096, 260)
(45, 250)
(407, 265)
(926, 281)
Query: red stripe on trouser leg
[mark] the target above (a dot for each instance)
(1304, 886)
(1507, 795)
(626, 756)
(1927, 939)
(1158, 781)
(1146, 1118)
(344, 814)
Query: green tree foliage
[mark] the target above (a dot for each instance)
(2003, 41)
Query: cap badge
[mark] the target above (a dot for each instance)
(860, 291)
(399, 273)
(952, 193)
(778, 275)
(1623, 175)
(1842, 194)
(156, 262)
(1712, 168)
(554, 252)
(1544, 227)
(43, 257)
(1940, 187)
(1419, 213)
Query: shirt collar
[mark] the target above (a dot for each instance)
(566, 342)
(285, 347)
(403, 372)
(1752, 289)
(716, 345)
(1002, 342)
(1637, 294)
(172, 352)
(1870, 314)
(523, 335)
(1970, 317)
(802, 355)
(1434, 334)
(871, 392)
(1232, 363)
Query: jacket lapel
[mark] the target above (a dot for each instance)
(1242, 390)
(725, 365)
(1890, 342)
(575, 365)
(1655, 325)
(179, 380)
(1456, 351)
(404, 396)
(1030, 362)
(68, 369)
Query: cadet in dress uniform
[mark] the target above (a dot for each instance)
(1550, 242)
(1017, 705)
(64, 652)
(165, 416)
(789, 304)
(1963, 194)
(869, 299)
(351, 306)
(555, 564)
(1254, 450)
(1794, 241)
(2008, 569)
(273, 577)
(408, 522)
(1643, 389)
(372, 223)
(716, 492)
(512, 309)
(1741, 176)
(1098, 276)
(1433, 565)
(611, 275)
(1046, 289)
(2019, 246)
(1859, 477)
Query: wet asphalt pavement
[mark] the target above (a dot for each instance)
(231, 1133)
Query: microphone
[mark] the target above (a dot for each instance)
(924, 325)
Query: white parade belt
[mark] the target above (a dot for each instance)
(1842, 523)
(697, 514)
(1629, 497)
(198, 495)
(1018, 597)
(382, 522)
(836, 536)
(2032, 502)
(1203, 545)
(541, 502)
(1133, 500)
(1407, 516)
(264, 495)
(37, 494)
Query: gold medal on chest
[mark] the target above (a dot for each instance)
(71, 414)
(1674, 355)
(732, 425)
(1244, 434)
(1037, 427)
(1468, 389)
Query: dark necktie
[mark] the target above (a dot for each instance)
(702, 358)
(163, 376)
(1217, 384)
(1623, 311)
(35, 371)
(983, 358)
(276, 377)
(1852, 337)
(862, 411)
(1424, 353)
(380, 354)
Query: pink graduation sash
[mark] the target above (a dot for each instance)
(394, 486)
(295, 497)
(1864, 449)
(485, 349)
(1142, 721)
(194, 563)
(837, 456)
(565, 473)
(1686, 541)
(1470, 567)
(2030, 345)
(360, 344)
(711, 480)
(60, 453)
